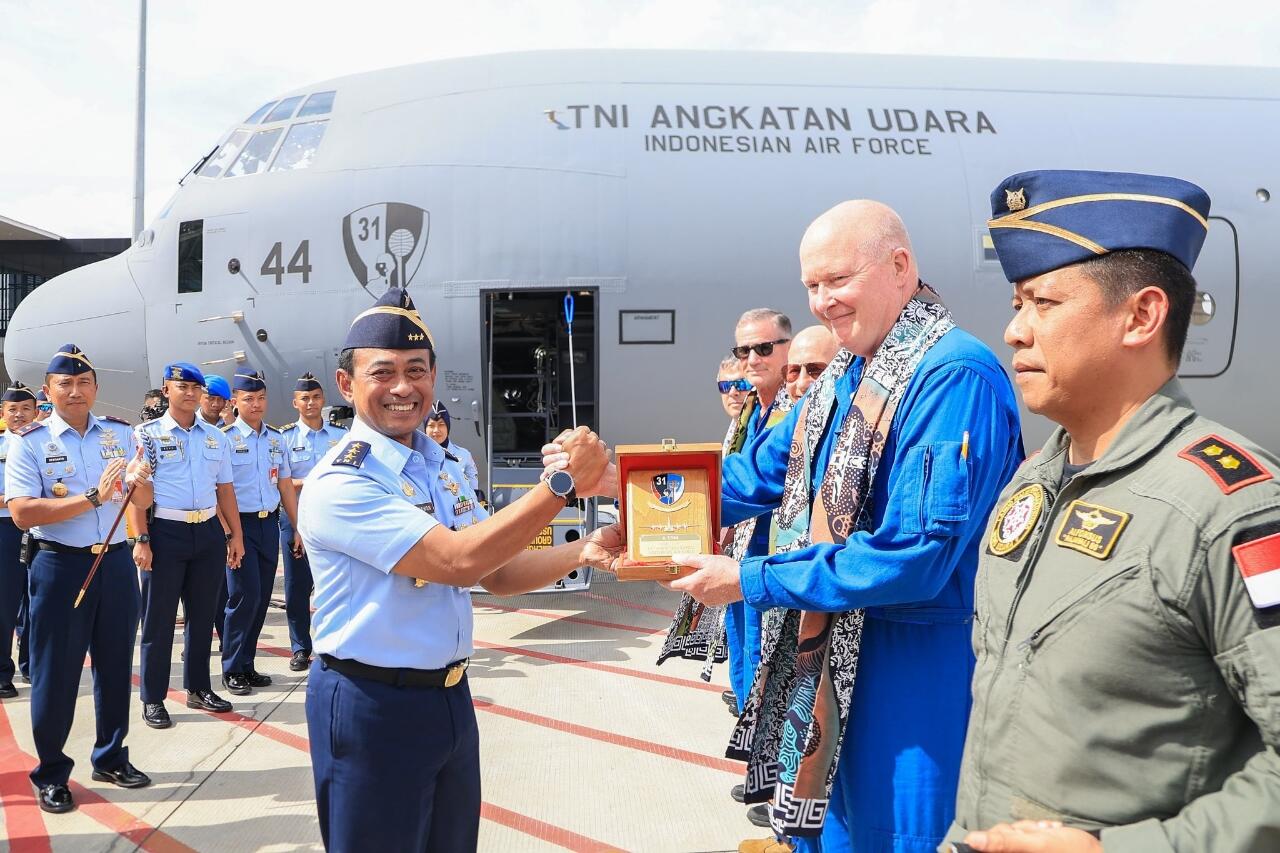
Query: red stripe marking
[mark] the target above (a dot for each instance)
(631, 605)
(24, 822)
(544, 831)
(115, 818)
(247, 723)
(524, 651)
(582, 620)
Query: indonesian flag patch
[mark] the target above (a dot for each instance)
(1259, 564)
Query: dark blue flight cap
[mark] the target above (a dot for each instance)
(440, 413)
(248, 380)
(41, 397)
(182, 371)
(1044, 220)
(307, 382)
(69, 361)
(18, 393)
(393, 323)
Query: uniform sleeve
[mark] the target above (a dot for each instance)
(224, 467)
(936, 498)
(752, 479)
(472, 473)
(356, 516)
(285, 469)
(22, 471)
(1244, 815)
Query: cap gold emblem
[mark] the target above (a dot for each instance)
(1015, 200)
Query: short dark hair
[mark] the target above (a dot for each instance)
(347, 358)
(1122, 274)
(154, 392)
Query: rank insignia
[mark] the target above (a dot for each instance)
(353, 454)
(1091, 529)
(463, 506)
(407, 488)
(1016, 519)
(1229, 466)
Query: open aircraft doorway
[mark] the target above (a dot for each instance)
(530, 395)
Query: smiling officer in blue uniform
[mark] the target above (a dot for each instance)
(19, 407)
(63, 481)
(307, 439)
(396, 539)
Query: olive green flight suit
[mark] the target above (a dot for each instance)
(1126, 681)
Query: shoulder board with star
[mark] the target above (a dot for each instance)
(274, 428)
(352, 456)
(451, 457)
(113, 419)
(29, 428)
(1229, 466)
(226, 428)
(288, 427)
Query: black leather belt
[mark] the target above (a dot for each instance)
(262, 513)
(447, 677)
(46, 545)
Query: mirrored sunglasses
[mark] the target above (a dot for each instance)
(727, 385)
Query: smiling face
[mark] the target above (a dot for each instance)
(437, 431)
(391, 390)
(764, 372)
(19, 413)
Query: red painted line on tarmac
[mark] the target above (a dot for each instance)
(525, 651)
(544, 831)
(581, 620)
(630, 605)
(23, 820)
(117, 819)
(248, 723)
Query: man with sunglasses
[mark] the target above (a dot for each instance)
(811, 352)
(732, 386)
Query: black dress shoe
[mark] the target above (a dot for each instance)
(236, 684)
(56, 799)
(759, 814)
(739, 793)
(257, 679)
(8, 691)
(207, 700)
(154, 715)
(127, 776)
(300, 661)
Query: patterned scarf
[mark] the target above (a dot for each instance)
(697, 632)
(792, 728)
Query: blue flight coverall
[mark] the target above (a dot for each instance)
(913, 572)
(397, 766)
(305, 447)
(46, 454)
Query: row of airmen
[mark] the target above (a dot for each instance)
(211, 508)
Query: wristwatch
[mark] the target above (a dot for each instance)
(92, 495)
(143, 539)
(562, 486)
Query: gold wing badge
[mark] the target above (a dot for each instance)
(1094, 519)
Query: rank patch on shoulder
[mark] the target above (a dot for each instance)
(353, 454)
(1091, 529)
(1229, 466)
(1016, 519)
(1259, 564)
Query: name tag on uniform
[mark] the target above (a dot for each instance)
(429, 508)
(240, 449)
(1091, 529)
(52, 460)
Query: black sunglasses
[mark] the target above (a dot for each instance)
(763, 350)
(727, 385)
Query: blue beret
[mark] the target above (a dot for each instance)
(306, 382)
(216, 386)
(393, 323)
(18, 393)
(182, 371)
(69, 361)
(1041, 221)
(440, 413)
(248, 380)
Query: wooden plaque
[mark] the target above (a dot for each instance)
(669, 503)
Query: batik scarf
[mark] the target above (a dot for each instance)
(792, 729)
(697, 631)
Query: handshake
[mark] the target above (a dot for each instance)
(584, 455)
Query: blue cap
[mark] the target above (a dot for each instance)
(18, 393)
(393, 323)
(306, 382)
(1041, 221)
(42, 397)
(440, 413)
(69, 361)
(216, 386)
(182, 371)
(247, 379)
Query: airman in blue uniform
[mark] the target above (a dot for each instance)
(396, 538)
(438, 427)
(19, 405)
(306, 440)
(64, 481)
(261, 473)
(181, 548)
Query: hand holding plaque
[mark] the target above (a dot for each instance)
(669, 504)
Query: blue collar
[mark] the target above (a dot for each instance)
(58, 426)
(392, 453)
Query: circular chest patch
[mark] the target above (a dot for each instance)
(1016, 518)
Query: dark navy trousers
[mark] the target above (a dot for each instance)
(13, 600)
(396, 768)
(297, 591)
(249, 591)
(188, 561)
(105, 625)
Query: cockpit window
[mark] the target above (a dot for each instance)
(318, 104)
(260, 112)
(283, 110)
(257, 154)
(225, 155)
(300, 145)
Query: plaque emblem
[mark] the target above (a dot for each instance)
(668, 488)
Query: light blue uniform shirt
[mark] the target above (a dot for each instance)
(258, 463)
(366, 503)
(468, 463)
(4, 455)
(305, 445)
(53, 452)
(189, 463)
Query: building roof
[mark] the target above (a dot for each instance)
(12, 229)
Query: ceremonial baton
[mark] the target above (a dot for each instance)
(102, 552)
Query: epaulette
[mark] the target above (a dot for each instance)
(226, 428)
(353, 454)
(31, 427)
(115, 420)
(274, 428)
(1230, 467)
(450, 456)
(288, 427)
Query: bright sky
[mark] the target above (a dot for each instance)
(68, 66)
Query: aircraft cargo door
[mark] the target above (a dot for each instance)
(1211, 339)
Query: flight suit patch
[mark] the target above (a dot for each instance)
(1016, 519)
(1091, 529)
(1259, 563)
(1229, 466)
(353, 454)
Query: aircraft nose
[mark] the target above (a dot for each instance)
(99, 309)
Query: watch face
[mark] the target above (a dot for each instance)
(560, 482)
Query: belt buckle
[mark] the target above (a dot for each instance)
(193, 516)
(262, 513)
(97, 548)
(454, 675)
